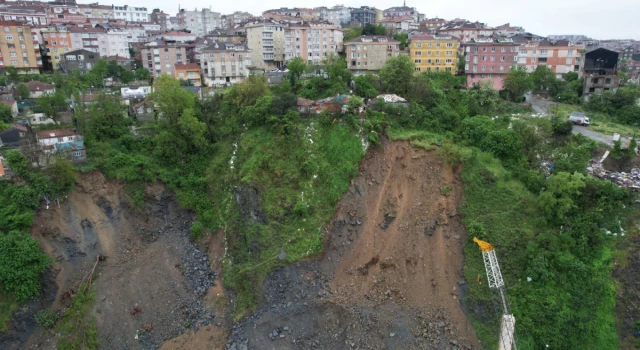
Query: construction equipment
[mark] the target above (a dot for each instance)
(494, 278)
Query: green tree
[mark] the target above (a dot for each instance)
(570, 76)
(286, 124)
(542, 78)
(365, 86)
(171, 99)
(62, 176)
(142, 74)
(282, 103)
(403, 38)
(560, 195)
(21, 264)
(107, 118)
(296, 67)
(248, 92)
(336, 68)
(517, 83)
(631, 151)
(23, 91)
(12, 72)
(6, 114)
(193, 131)
(397, 74)
(18, 163)
(257, 114)
(51, 104)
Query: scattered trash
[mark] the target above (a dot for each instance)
(629, 181)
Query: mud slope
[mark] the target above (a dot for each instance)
(150, 264)
(391, 275)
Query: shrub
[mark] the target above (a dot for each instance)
(47, 318)
(21, 263)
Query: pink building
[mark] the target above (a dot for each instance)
(488, 60)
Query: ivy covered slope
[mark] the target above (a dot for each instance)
(21, 261)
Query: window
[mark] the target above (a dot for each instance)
(9, 37)
(449, 44)
(484, 49)
(437, 61)
(418, 53)
(417, 61)
(448, 60)
(607, 81)
(533, 59)
(14, 62)
(417, 69)
(501, 67)
(484, 67)
(428, 53)
(418, 45)
(475, 49)
(77, 153)
(484, 58)
(493, 49)
(503, 49)
(13, 54)
(493, 58)
(502, 58)
(437, 44)
(449, 53)
(428, 44)
(6, 29)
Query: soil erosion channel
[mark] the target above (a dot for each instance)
(391, 274)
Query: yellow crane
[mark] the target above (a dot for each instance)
(495, 281)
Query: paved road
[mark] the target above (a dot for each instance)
(593, 135)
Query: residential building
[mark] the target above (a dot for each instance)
(314, 41)
(56, 136)
(13, 137)
(488, 61)
(561, 56)
(402, 11)
(89, 38)
(160, 18)
(64, 13)
(265, 38)
(160, 57)
(434, 52)
(95, 13)
(81, 60)
(308, 14)
(363, 15)
(197, 22)
(569, 37)
(367, 54)
(128, 63)
(305, 14)
(19, 47)
(338, 15)
(466, 30)
(131, 13)
(37, 89)
(12, 104)
(432, 23)
(304, 105)
(118, 42)
(225, 63)
(179, 36)
(400, 24)
(236, 19)
(189, 72)
(226, 36)
(57, 41)
(507, 30)
(32, 14)
(64, 142)
(600, 72)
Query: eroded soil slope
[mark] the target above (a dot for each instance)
(152, 285)
(391, 275)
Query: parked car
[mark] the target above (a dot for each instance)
(578, 118)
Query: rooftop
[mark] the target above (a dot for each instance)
(373, 39)
(51, 134)
(39, 86)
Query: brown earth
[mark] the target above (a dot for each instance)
(150, 265)
(391, 274)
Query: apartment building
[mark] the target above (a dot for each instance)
(561, 56)
(197, 22)
(96, 14)
(600, 72)
(368, 54)
(19, 47)
(32, 14)
(131, 13)
(57, 41)
(466, 30)
(160, 18)
(189, 72)
(434, 52)
(89, 38)
(314, 41)
(118, 42)
(265, 38)
(225, 63)
(402, 11)
(432, 23)
(488, 60)
(401, 24)
(81, 60)
(160, 57)
(64, 13)
(338, 15)
(363, 15)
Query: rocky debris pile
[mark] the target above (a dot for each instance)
(629, 181)
(197, 270)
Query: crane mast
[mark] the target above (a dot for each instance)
(495, 281)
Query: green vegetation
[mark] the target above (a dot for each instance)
(76, 330)
(47, 318)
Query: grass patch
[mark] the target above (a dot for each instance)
(445, 190)
(76, 329)
(8, 304)
(600, 122)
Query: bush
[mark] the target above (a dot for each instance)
(47, 318)
(21, 263)
(561, 126)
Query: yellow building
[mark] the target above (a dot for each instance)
(434, 52)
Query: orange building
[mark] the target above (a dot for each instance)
(57, 41)
(189, 72)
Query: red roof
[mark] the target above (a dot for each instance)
(9, 103)
(188, 66)
(39, 86)
(52, 134)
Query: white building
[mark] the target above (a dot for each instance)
(338, 15)
(118, 42)
(131, 14)
(225, 63)
(199, 23)
(54, 137)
